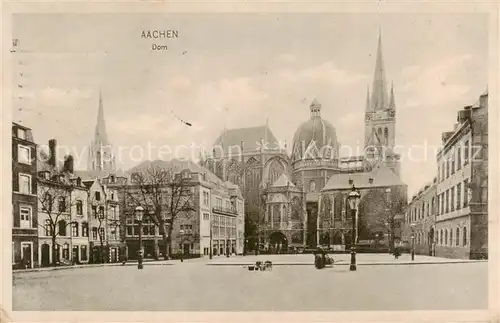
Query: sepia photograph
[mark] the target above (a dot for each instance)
(249, 161)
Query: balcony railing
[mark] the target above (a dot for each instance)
(220, 209)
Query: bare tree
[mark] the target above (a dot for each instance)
(54, 199)
(165, 195)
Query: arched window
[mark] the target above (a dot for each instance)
(440, 236)
(451, 237)
(445, 237)
(296, 207)
(386, 135)
(465, 236)
(47, 202)
(457, 237)
(312, 186)
(62, 228)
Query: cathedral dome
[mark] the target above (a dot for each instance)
(315, 137)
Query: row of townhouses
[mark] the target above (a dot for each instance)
(62, 216)
(58, 218)
(449, 217)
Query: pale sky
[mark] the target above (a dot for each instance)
(236, 70)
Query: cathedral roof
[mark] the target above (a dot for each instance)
(283, 181)
(315, 129)
(251, 138)
(382, 177)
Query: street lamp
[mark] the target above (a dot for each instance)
(412, 241)
(139, 213)
(210, 251)
(353, 200)
(181, 232)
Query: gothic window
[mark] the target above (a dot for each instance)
(296, 209)
(276, 213)
(386, 136)
(312, 186)
(337, 213)
(326, 209)
(285, 215)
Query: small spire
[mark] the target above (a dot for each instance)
(379, 89)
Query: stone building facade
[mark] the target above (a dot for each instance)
(462, 185)
(24, 198)
(287, 196)
(215, 225)
(420, 220)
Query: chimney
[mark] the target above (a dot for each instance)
(69, 164)
(52, 152)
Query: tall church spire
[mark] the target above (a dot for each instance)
(379, 98)
(392, 102)
(100, 128)
(368, 107)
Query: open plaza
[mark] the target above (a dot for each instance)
(225, 284)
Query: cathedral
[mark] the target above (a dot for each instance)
(299, 199)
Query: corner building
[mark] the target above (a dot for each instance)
(292, 199)
(462, 189)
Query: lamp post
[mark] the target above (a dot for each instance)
(139, 213)
(210, 251)
(353, 200)
(412, 241)
(181, 232)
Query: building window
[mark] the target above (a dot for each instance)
(62, 228)
(24, 154)
(466, 153)
(452, 199)
(113, 233)
(451, 237)
(464, 236)
(101, 234)
(21, 134)
(94, 233)
(206, 216)
(101, 212)
(443, 169)
(79, 207)
(47, 228)
(85, 229)
(83, 253)
(113, 213)
(97, 196)
(459, 196)
(74, 229)
(459, 159)
(457, 237)
(441, 237)
(448, 167)
(94, 211)
(447, 201)
(439, 173)
(25, 216)
(112, 196)
(62, 204)
(24, 183)
(445, 237)
(453, 163)
(466, 193)
(205, 198)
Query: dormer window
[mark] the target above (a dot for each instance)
(97, 196)
(21, 133)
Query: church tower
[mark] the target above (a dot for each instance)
(101, 157)
(380, 118)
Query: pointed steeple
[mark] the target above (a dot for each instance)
(392, 102)
(368, 107)
(100, 128)
(379, 98)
